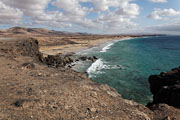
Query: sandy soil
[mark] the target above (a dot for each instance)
(31, 90)
(53, 42)
(74, 48)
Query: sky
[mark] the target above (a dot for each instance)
(94, 16)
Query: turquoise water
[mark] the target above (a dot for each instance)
(126, 65)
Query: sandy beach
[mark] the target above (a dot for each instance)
(79, 46)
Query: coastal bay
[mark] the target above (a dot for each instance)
(89, 60)
(126, 65)
(34, 85)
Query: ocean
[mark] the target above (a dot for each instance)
(126, 64)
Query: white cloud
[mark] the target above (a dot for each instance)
(70, 7)
(29, 7)
(105, 5)
(120, 18)
(75, 14)
(159, 1)
(10, 15)
(69, 13)
(131, 10)
(173, 27)
(159, 14)
(111, 15)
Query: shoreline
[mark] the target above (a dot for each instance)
(79, 47)
(83, 66)
(33, 90)
(103, 44)
(99, 65)
(101, 48)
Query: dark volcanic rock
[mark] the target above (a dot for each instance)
(166, 88)
(19, 103)
(56, 60)
(30, 48)
(93, 59)
(85, 58)
(28, 66)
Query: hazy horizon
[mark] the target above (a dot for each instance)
(94, 16)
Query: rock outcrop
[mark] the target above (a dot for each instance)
(25, 47)
(85, 58)
(30, 47)
(59, 60)
(166, 88)
(30, 90)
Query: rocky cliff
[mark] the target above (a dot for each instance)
(166, 94)
(29, 89)
(166, 87)
(22, 47)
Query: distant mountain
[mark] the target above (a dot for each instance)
(31, 31)
(23, 30)
(35, 31)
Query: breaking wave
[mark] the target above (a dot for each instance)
(99, 65)
(107, 47)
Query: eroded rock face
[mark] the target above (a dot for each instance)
(56, 60)
(30, 47)
(26, 47)
(166, 88)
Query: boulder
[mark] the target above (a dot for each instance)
(59, 60)
(27, 65)
(85, 58)
(166, 88)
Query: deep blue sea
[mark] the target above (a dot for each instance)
(126, 65)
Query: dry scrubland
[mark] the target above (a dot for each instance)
(30, 89)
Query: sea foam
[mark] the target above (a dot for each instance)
(107, 47)
(104, 49)
(95, 67)
(99, 65)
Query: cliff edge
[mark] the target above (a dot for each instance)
(166, 92)
(30, 89)
(166, 87)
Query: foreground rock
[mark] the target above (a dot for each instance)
(166, 87)
(165, 112)
(166, 94)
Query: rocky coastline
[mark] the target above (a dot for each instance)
(166, 88)
(38, 86)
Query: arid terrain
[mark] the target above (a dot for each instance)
(53, 42)
(37, 87)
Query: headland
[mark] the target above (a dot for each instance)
(35, 84)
